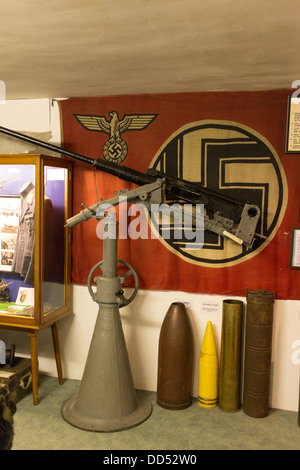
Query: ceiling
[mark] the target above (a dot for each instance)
(96, 48)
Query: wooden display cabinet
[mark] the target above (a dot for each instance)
(35, 253)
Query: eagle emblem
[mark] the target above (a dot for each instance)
(115, 148)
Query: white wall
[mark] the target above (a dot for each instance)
(142, 319)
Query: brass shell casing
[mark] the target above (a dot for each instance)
(230, 356)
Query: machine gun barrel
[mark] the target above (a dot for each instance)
(176, 188)
(108, 167)
(225, 211)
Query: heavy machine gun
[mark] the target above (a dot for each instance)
(225, 216)
(106, 400)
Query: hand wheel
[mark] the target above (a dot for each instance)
(130, 272)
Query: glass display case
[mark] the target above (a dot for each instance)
(35, 254)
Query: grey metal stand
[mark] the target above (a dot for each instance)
(107, 400)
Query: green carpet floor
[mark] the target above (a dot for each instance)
(42, 427)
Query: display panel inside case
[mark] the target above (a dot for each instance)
(9, 223)
(17, 201)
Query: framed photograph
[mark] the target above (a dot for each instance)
(9, 223)
(295, 248)
(292, 142)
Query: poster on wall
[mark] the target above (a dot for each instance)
(293, 125)
(295, 249)
(9, 223)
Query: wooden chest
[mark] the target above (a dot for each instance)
(17, 379)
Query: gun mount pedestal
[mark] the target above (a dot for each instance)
(107, 400)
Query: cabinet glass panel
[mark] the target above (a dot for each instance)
(54, 238)
(17, 221)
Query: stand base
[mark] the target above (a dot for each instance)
(87, 423)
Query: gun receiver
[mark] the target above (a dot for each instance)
(230, 217)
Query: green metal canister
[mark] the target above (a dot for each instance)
(230, 356)
(258, 350)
